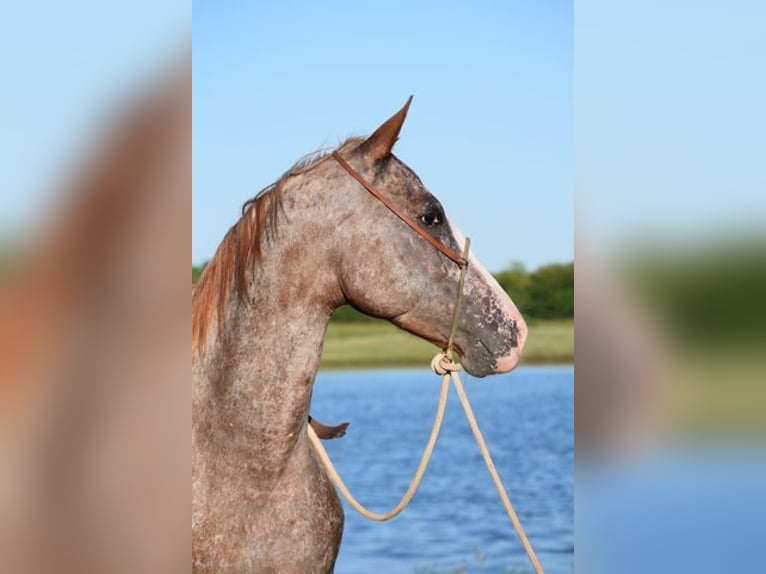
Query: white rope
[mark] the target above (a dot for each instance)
(441, 365)
(444, 365)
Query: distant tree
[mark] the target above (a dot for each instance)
(546, 293)
(197, 271)
(710, 295)
(515, 282)
(551, 291)
(347, 314)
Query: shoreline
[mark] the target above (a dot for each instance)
(420, 366)
(380, 345)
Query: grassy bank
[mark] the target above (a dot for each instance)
(379, 344)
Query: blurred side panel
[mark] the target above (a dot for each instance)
(95, 229)
(670, 408)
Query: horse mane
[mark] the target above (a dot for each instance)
(229, 272)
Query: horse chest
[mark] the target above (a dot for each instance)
(243, 523)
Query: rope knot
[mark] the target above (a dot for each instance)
(442, 364)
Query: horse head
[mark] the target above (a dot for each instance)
(389, 271)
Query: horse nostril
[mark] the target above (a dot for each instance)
(514, 334)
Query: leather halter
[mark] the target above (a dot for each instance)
(446, 251)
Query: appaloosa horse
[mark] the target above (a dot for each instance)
(309, 243)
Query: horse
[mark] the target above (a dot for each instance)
(305, 245)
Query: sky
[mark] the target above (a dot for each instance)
(670, 121)
(654, 121)
(64, 68)
(490, 130)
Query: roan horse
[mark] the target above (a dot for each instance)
(307, 244)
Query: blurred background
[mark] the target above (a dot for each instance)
(670, 200)
(95, 210)
(668, 130)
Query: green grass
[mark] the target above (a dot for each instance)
(380, 344)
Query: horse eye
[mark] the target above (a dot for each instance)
(431, 218)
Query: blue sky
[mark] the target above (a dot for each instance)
(64, 68)
(490, 130)
(669, 115)
(670, 122)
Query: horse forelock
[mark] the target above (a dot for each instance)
(229, 272)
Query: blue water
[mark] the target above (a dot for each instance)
(456, 519)
(677, 508)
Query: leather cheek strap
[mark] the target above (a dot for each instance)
(446, 251)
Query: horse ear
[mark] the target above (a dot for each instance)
(379, 145)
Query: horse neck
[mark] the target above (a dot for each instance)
(253, 384)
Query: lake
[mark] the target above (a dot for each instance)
(456, 521)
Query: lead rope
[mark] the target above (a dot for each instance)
(442, 364)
